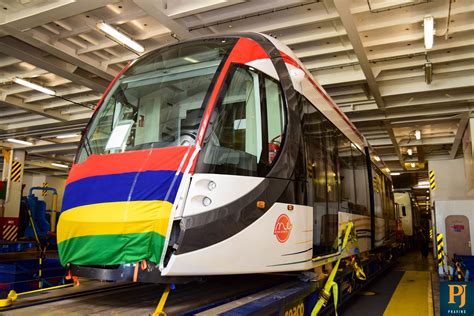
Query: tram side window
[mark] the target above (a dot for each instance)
(360, 181)
(275, 117)
(246, 131)
(346, 168)
(323, 187)
(237, 135)
(377, 183)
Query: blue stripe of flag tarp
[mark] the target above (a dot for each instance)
(143, 186)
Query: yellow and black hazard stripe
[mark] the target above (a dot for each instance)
(440, 243)
(432, 180)
(16, 171)
(44, 193)
(10, 232)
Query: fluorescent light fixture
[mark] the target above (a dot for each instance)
(191, 60)
(59, 165)
(410, 151)
(18, 141)
(120, 37)
(33, 86)
(67, 136)
(395, 173)
(418, 134)
(423, 183)
(428, 25)
(377, 158)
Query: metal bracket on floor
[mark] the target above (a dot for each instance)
(12, 295)
(161, 304)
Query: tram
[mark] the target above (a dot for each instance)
(219, 155)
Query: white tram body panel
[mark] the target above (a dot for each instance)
(255, 249)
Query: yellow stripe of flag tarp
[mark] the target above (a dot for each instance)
(114, 218)
(432, 177)
(15, 174)
(412, 296)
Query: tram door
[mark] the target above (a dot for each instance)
(458, 235)
(323, 186)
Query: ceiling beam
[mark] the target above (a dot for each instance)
(15, 102)
(43, 42)
(34, 56)
(460, 132)
(439, 113)
(44, 164)
(343, 7)
(36, 15)
(155, 9)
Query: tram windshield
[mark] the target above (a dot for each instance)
(158, 101)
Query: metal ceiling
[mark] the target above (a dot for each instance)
(368, 54)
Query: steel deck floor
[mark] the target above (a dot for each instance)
(406, 289)
(142, 300)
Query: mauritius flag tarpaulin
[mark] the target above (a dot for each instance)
(116, 207)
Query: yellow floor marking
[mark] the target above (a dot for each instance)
(412, 295)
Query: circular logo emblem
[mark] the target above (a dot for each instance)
(282, 228)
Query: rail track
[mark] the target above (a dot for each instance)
(141, 299)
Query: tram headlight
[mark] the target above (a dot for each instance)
(212, 185)
(206, 201)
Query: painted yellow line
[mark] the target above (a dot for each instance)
(412, 295)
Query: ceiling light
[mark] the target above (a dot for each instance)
(59, 165)
(33, 86)
(18, 141)
(67, 136)
(120, 37)
(395, 173)
(429, 31)
(427, 197)
(413, 165)
(191, 60)
(418, 134)
(377, 158)
(410, 151)
(387, 170)
(423, 183)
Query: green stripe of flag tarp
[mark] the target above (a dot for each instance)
(112, 249)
